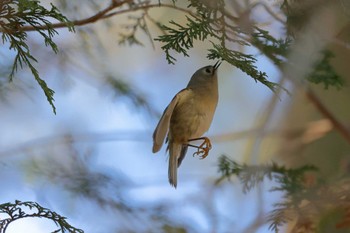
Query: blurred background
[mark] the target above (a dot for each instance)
(92, 161)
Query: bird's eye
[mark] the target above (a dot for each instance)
(208, 71)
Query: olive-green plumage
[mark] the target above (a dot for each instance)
(188, 116)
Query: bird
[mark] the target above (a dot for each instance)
(187, 118)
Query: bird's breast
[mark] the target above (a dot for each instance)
(192, 116)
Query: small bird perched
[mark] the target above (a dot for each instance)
(187, 118)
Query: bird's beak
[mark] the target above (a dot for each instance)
(217, 64)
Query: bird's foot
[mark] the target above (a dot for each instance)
(203, 149)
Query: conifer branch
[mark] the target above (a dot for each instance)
(289, 181)
(19, 210)
(16, 14)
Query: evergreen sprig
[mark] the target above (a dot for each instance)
(325, 73)
(16, 14)
(274, 49)
(180, 38)
(290, 181)
(20, 210)
(244, 62)
(210, 22)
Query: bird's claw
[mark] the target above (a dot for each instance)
(203, 149)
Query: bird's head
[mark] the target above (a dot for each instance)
(204, 75)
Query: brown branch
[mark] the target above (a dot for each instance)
(106, 13)
(98, 16)
(342, 129)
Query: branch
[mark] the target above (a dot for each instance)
(342, 129)
(18, 210)
(106, 13)
(98, 16)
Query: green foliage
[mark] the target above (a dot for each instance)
(207, 24)
(17, 14)
(275, 49)
(324, 72)
(314, 205)
(242, 61)
(180, 38)
(20, 210)
(211, 21)
(289, 181)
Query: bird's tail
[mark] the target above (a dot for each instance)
(174, 154)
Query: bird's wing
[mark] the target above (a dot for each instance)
(163, 124)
